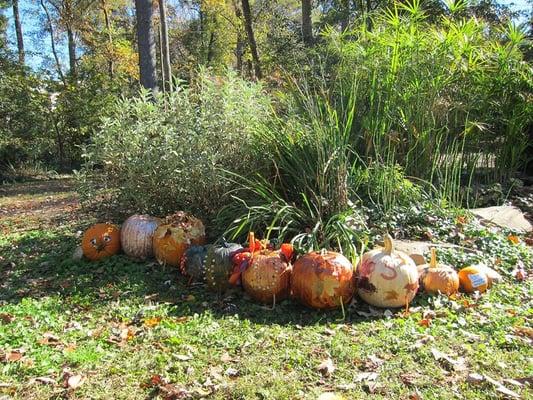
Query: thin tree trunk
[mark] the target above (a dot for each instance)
(368, 19)
(163, 75)
(71, 51)
(165, 58)
(52, 41)
(18, 30)
(210, 47)
(239, 46)
(251, 39)
(307, 27)
(146, 43)
(111, 66)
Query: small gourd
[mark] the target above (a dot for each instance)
(473, 279)
(439, 277)
(100, 241)
(387, 278)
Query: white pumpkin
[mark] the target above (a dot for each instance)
(136, 235)
(387, 278)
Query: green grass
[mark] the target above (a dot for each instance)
(197, 336)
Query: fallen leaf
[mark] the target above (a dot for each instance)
(366, 376)
(502, 389)
(330, 396)
(513, 239)
(151, 322)
(425, 322)
(45, 380)
(232, 372)
(75, 381)
(226, 358)
(326, 367)
(49, 339)
(13, 355)
(6, 318)
(457, 365)
(524, 331)
(475, 378)
(183, 357)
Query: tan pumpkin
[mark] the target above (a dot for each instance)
(100, 241)
(387, 278)
(267, 277)
(137, 234)
(173, 237)
(473, 279)
(323, 279)
(439, 278)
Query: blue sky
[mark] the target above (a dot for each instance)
(38, 46)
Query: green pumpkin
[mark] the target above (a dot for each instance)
(193, 263)
(218, 266)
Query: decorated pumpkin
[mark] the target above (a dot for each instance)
(175, 235)
(137, 234)
(266, 279)
(473, 279)
(100, 241)
(219, 266)
(387, 278)
(439, 278)
(323, 279)
(193, 263)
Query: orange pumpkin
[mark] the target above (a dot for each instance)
(387, 278)
(323, 279)
(439, 277)
(473, 279)
(267, 278)
(100, 241)
(175, 235)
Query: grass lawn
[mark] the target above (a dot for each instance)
(124, 330)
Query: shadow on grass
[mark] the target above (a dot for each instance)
(37, 187)
(40, 264)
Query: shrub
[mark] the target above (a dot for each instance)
(164, 155)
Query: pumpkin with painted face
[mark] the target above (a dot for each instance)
(323, 279)
(100, 241)
(387, 278)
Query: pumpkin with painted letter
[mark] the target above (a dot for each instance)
(100, 241)
(387, 278)
(323, 279)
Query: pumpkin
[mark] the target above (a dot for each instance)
(439, 277)
(193, 263)
(322, 279)
(266, 279)
(387, 278)
(218, 265)
(473, 279)
(175, 235)
(100, 241)
(136, 236)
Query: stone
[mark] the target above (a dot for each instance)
(507, 217)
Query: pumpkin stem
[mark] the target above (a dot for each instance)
(342, 308)
(323, 252)
(389, 245)
(433, 260)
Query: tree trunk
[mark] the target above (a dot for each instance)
(165, 58)
(18, 30)
(71, 51)
(107, 20)
(146, 43)
(52, 41)
(307, 27)
(251, 39)
(163, 75)
(239, 46)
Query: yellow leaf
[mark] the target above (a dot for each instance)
(514, 239)
(151, 322)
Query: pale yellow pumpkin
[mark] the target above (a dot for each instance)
(439, 278)
(387, 278)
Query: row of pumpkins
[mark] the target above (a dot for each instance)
(320, 279)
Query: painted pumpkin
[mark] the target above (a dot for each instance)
(175, 235)
(322, 279)
(267, 277)
(193, 263)
(100, 241)
(387, 278)
(439, 278)
(473, 279)
(137, 234)
(219, 266)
